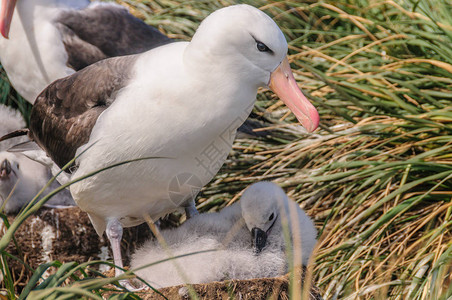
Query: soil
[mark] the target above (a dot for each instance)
(263, 288)
(64, 234)
(67, 235)
(253, 289)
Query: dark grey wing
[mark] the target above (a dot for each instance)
(65, 112)
(102, 31)
(247, 129)
(80, 53)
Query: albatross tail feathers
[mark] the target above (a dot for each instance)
(98, 223)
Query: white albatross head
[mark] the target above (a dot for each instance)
(21, 179)
(268, 212)
(9, 167)
(10, 174)
(261, 205)
(248, 43)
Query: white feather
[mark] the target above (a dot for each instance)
(28, 177)
(34, 55)
(184, 102)
(10, 120)
(24, 183)
(228, 234)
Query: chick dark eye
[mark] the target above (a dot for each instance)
(17, 166)
(262, 47)
(271, 217)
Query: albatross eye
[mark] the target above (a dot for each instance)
(271, 217)
(262, 47)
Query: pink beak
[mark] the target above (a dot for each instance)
(283, 84)
(6, 14)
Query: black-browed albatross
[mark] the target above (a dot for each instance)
(181, 102)
(249, 236)
(20, 177)
(45, 40)
(77, 34)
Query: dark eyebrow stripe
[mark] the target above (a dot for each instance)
(257, 41)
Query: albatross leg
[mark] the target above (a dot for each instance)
(191, 210)
(114, 233)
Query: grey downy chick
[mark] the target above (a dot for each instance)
(248, 238)
(20, 177)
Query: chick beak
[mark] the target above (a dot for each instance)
(259, 239)
(5, 169)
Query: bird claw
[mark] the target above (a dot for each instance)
(191, 211)
(129, 286)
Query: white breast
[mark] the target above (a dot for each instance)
(168, 112)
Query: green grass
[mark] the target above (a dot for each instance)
(377, 176)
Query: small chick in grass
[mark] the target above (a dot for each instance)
(250, 238)
(20, 177)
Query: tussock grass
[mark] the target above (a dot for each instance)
(377, 176)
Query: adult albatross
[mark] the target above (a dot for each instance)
(45, 40)
(180, 103)
(74, 34)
